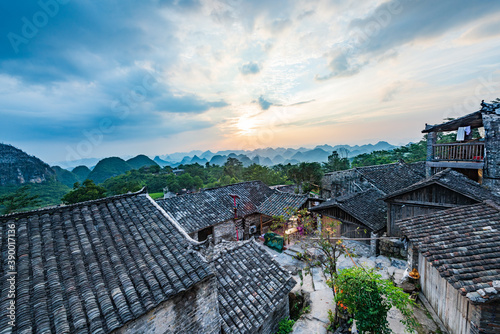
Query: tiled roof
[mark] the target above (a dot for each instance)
(364, 206)
(251, 285)
(452, 180)
(211, 206)
(392, 177)
(93, 266)
(278, 202)
(463, 244)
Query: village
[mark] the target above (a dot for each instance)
(246, 258)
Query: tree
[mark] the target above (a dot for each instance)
(18, 200)
(87, 191)
(367, 297)
(233, 168)
(308, 174)
(336, 162)
(324, 241)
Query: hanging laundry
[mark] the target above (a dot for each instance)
(467, 130)
(460, 134)
(482, 133)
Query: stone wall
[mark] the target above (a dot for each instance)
(271, 323)
(343, 182)
(487, 318)
(393, 248)
(225, 231)
(193, 311)
(491, 173)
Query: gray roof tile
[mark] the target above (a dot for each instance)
(463, 244)
(452, 180)
(364, 206)
(93, 266)
(251, 285)
(209, 207)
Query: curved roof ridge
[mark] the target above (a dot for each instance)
(68, 206)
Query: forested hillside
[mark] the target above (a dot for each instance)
(17, 167)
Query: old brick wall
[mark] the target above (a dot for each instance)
(225, 231)
(193, 311)
(491, 173)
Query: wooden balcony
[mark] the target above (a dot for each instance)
(458, 155)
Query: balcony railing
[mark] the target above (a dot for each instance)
(471, 152)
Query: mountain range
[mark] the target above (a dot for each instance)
(269, 156)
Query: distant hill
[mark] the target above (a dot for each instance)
(265, 156)
(316, 155)
(65, 176)
(81, 173)
(109, 167)
(218, 160)
(17, 167)
(161, 162)
(140, 161)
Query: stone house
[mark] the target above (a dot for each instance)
(123, 265)
(443, 190)
(252, 288)
(457, 253)
(211, 211)
(478, 159)
(114, 265)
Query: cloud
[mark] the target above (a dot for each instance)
(264, 105)
(250, 68)
(188, 103)
(396, 23)
(483, 30)
(391, 91)
(342, 64)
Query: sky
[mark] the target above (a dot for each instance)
(91, 79)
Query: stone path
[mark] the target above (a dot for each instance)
(321, 297)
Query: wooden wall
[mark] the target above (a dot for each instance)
(422, 201)
(454, 310)
(350, 227)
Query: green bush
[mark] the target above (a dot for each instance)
(285, 326)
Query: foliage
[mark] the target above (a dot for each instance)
(65, 176)
(233, 168)
(285, 326)
(87, 191)
(368, 297)
(81, 172)
(336, 162)
(107, 168)
(307, 175)
(156, 195)
(19, 200)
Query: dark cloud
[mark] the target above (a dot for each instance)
(188, 103)
(395, 23)
(78, 39)
(250, 68)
